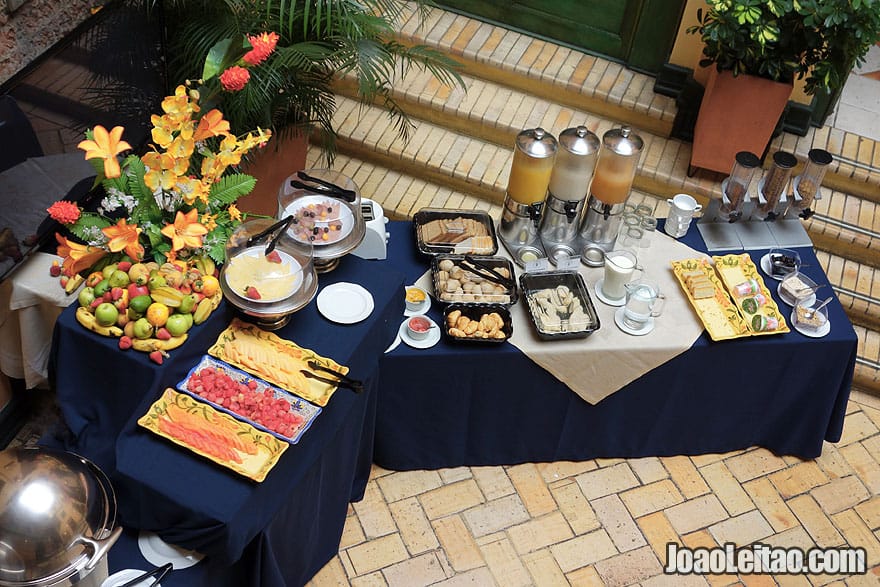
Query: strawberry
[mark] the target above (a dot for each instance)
(124, 342)
(124, 266)
(55, 269)
(163, 334)
(63, 281)
(157, 357)
(273, 257)
(251, 292)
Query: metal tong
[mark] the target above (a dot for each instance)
(338, 378)
(323, 187)
(278, 228)
(158, 572)
(486, 271)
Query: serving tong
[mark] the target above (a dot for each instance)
(338, 379)
(159, 573)
(322, 187)
(486, 271)
(278, 229)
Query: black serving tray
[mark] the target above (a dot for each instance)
(507, 299)
(429, 246)
(533, 283)
(475, 312)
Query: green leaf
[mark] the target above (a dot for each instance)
(87, 221)
(229, 189)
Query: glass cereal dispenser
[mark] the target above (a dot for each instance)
(533, 157)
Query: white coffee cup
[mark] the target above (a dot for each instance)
(681, 210)
(619, 267)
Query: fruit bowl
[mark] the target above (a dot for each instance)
(149, 307)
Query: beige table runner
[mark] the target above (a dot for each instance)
(607, 360)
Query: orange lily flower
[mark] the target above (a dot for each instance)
(106, 145)
(124, 236)
(186, 230)
(211, 125)
(77, 257)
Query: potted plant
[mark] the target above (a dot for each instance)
(757, 49)
(280, 59)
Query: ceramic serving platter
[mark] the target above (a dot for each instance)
(718, 314)
(214, 435)
(737, 269)
(276, 360)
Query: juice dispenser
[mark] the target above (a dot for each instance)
(569, 183)
(609, 191)
(530, 171)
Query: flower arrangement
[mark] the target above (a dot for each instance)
(175, 201)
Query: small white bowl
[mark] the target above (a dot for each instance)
(418, 327)
(415, 297)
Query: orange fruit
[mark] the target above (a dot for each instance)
(157, 314)
(210, 285)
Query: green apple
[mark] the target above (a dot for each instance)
(119, 279)
(189, 320)
(143, 328)
(106, 314)
(86, 296)
(177, 324)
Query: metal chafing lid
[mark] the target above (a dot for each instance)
(536, 142)
(579, 140)
(623, 141)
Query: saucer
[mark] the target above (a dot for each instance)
(605, 299)
(158, 552)
(785, 298)
(420, 309)
(432, 338)
(768, 269)
(618, 319)
(345, 303)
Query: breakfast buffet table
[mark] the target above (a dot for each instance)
(445, 406)
(472, 404)
(277, 532)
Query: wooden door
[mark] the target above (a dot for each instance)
(639, 33)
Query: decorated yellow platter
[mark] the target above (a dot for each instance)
(276, 360)
(753, 299)
(214, 435)
(707, 295)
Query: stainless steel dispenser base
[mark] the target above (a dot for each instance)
(518, 231)
(598, 232)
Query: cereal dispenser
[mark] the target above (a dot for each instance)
(735, 188)
(569, 183)
(609, 191)
(806, 186)
(530, 171)
(773, 187)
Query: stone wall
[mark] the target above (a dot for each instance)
(34, 26)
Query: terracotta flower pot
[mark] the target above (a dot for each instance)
(281, 158)
(737, 114)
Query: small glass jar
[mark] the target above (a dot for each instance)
(649, 228)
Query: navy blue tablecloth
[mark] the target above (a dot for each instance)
(457, 404)
(278, 532)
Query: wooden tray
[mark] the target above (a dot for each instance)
(736, 269)
(718, 314)
(214, 435)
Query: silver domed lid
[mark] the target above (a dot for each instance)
(579, 140)
(537, 143)
(55, 508)
(623, 141)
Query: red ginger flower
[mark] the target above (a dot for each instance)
(64, 212)
(235, 78)
(263, 45)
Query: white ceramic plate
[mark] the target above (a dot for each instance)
(597, 289)
(158, 552)
(425, 343)
(345, 303)
(618, 319)
(299, 206)
(818, 333)
(120, 577)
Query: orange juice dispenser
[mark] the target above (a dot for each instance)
(530, 172)
(569, 182)
(609, 191)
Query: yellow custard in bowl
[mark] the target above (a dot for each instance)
(253, 276)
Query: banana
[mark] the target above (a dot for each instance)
(87, 319)
(148, 345)
(73, 283)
